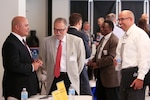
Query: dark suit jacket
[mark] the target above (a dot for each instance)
(108, 75)
(84, 81)
(18, 72)
(84, 37)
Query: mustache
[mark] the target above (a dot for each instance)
(58, 34)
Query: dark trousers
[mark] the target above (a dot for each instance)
(100, 91)
(112, 93)
(131, 94)
(103, 93)
(127, 92)
(85, 88)
(63, 77)
(90, 72)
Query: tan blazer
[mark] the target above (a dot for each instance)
(75, 48)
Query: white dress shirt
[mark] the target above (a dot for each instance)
(21, 39)
(63, 56)
(118, 31)
(106, 38)
(136, 50)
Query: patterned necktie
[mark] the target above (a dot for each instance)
(121, 51)
(99, 47)
(25, 44)
(122, 45)
(58, 59)
(101, 41)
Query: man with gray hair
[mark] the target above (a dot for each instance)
(63, 57)
(117, 30)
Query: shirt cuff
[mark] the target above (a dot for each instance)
(32, 68)
(141, 76)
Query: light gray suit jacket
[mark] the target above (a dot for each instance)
(75, 49)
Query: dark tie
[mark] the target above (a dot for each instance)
(58, 59)
(99, 46)
(25, 43)
(101, 42)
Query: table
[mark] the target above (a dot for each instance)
(81, 97)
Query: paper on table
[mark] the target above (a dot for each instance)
(56, 95)
(61, 88)
(60, 93)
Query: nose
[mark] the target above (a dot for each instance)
(58, 31)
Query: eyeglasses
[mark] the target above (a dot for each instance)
(59, 30)
(122, 19)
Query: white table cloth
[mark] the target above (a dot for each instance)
(81, 97)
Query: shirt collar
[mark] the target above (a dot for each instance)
(18, 36)
(74, 27)
(129, 30)
(106, 37)
(63, 40)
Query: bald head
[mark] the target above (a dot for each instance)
(17, 20)
(144, 16)
(20, 25)
(100, 21)
(111, 17)
(126, 19)
(128, 13)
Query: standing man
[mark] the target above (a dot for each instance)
(133, 49)
(87, 30)
(69, 65)
(98, 34)
(117, 30)
(75, 21)
(109, 79)
(19, 67)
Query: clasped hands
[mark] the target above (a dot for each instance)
(37, 63)
(92, 64)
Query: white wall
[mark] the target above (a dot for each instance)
(36, 13)
(8, 9)
(60, 8)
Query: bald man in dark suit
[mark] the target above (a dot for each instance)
(19, 67)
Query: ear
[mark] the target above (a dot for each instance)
(17, 27)
(66, 30)
(80, 22)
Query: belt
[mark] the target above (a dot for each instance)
(132, 67)
(63, 72)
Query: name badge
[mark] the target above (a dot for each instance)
(73, 58)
